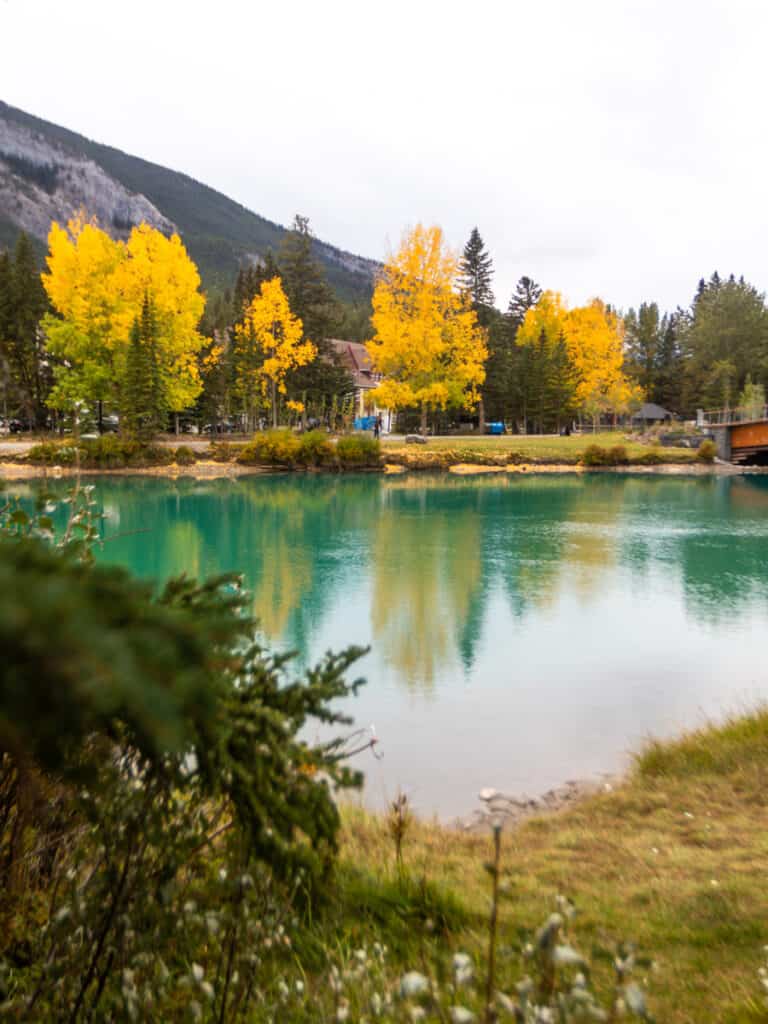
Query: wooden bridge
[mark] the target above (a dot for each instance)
(741, 435)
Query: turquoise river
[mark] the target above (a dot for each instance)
(523, 630)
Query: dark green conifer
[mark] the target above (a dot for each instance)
(475, 276)
(145, 408)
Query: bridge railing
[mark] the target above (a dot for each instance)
(741, 414)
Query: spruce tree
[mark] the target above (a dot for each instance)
(24, 302)
(475, 276)
(5, 334)
(643, 335)
(313, 301)
(522, 367)
(562, 383)
(145, 408)
(311, 297)
(527, 293)
(669, 365)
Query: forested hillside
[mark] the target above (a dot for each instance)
(48, 170)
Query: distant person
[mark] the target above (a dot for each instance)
(377, 427)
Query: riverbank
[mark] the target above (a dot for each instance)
(672, 857)
(283, 451)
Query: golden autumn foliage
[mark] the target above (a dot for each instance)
(270, 339)
(594, 338)
(427, 345)
(97, 286)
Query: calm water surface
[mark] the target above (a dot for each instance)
(523, 631)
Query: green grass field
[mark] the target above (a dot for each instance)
(532, 447)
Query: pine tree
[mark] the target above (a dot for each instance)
(642, 339)
(526, 295)
(562, 383)
(669, 365)
(475, 276)
(312, 300)
(22, 298)
(311, 297)
(144, 411)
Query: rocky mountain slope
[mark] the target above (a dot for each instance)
(48, 173)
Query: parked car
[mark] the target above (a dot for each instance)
(18, 426)
(222, 427)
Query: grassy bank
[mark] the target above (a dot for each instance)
(442, 452)
(283, 449)
(674, 858)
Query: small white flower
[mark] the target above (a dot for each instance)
(417, 1013)
(687, 814)
(654, 849)
(299, 986)
(197, 973)
(714, 883)
(376, 1004)
(207, 989)
(413, 984)
(460, 1015)
(342, 1013)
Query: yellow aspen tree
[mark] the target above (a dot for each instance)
(595, 338)
(428, 345)
(83, 338)
(548, 315)
(273, 335)
(160, 267)
(97, 287)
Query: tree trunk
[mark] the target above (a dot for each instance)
(176, 424)
(481, 416)
(304, 410)
(100, 405)
(423, 419)
(273, 394)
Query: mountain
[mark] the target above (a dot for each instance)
(48, 173)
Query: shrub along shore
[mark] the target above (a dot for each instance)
(316, 451)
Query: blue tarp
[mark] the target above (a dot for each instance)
(494, 428)
(365, 422)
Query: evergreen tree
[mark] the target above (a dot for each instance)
(144, 412)
(520, 362)
(312, 300)
(669, 364)
(724, 338)
(642, 338)
(527, 293)
(475, 276)
(562, 384)
(5, 333)
(311, 297)
(24, 373)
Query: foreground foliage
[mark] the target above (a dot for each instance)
(160, 813)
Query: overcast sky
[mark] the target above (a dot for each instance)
(605, 147)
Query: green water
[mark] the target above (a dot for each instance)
(524, 631)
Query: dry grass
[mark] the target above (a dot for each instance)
(674, 859)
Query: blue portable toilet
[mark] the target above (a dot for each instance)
(494, 428)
